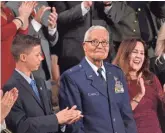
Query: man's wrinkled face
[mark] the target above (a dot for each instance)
(97, 46)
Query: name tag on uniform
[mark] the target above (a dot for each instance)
(94, 94)
(118, 86)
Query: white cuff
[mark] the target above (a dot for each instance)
(2, 126)
(37, 26)
(84, 10)
(52, 31)
(63, 128)
(107, 8)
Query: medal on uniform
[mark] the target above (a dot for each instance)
(118, 86)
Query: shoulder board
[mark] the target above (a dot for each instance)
(112, 65)
(75, 68)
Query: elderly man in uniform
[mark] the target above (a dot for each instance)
(98, 89)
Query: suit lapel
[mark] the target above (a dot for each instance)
(95, 80)
(45, 48)
(99, 85)
(27, 86)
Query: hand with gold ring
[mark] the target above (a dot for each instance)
(7, 101)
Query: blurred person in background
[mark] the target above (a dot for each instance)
(43, 25)
(131, 19)
(158, 9)
(157, 66)
(144, 88)
(10, 25)
(74, 18)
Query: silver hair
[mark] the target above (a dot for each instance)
(94, 27)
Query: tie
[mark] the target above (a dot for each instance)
(34, 87)
(100, 73)
(102, 78)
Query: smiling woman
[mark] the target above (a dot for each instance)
(144, 87)
(132, 57)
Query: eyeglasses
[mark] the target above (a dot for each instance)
(97, 42)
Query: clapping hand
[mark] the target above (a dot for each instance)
(107, 2)
(141, 82)
(26, 9)
(143, 90)
(7, 101)
(69, 116)
(40, 13)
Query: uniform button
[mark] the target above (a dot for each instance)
(134, 30)
(135, 21)
(114, 119)
(115, 132)
(139, 9)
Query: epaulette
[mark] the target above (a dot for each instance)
(112, 65)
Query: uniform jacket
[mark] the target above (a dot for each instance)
(81, 86)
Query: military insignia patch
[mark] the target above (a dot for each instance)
(118, 86)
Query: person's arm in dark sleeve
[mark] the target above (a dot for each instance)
(69, 95)
(116, 11)
(20, 123)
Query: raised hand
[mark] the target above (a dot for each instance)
(107, 2)
(26, 9)
(143, 90)
(87, 4)
(40, 13)
(52, 21)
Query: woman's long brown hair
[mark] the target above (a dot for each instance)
(123, 57)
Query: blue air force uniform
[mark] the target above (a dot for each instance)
(106, 108)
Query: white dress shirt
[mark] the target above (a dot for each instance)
(164, 56)
(37, 26)
(84, 10)
(2, 126)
